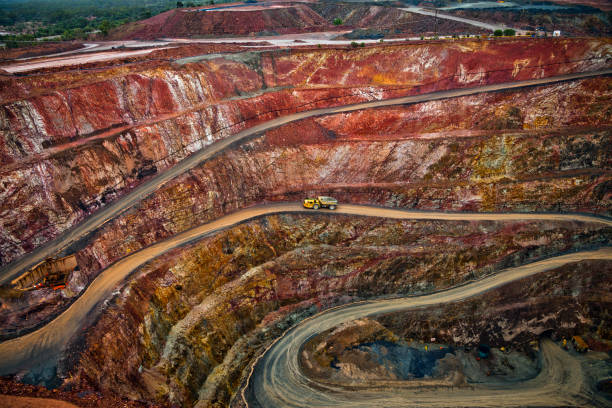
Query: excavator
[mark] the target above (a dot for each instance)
(321, 202)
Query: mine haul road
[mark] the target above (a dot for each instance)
(476, 23)
(39, 351)
(96, 220)
(276, 378)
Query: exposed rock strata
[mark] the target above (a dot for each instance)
(68, 152)
(546, 170)
(571, 300)
(187, 325)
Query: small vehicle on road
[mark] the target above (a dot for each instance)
(321, 202)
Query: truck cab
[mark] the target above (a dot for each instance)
(321, 202)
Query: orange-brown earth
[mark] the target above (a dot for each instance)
(193, 22)
(283, 18)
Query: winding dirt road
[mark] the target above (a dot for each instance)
(41, 348)
(276, 379)
(96, 220)
(475, 23)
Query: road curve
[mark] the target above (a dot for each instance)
(100, 217)
(43, 346)
(276, 378)
(476, 23)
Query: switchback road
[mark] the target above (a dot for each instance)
(276, 379)
(42, 347)
(107, 213)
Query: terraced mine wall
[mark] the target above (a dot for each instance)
(67, 152)
(187, 325)
(439, 345)
(183, 328)
(491, 152)
(463, 170)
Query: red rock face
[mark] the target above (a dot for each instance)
(440, 165)
(67, 152)
(436, 66)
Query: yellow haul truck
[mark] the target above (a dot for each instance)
(321, 202)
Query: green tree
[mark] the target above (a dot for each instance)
(508, 32)
(498, 33)
(179, 4)
(67, 35)
(337, 21)
(105, 26)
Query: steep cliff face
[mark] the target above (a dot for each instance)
(436, 66)
(67, 152)
(468, 170)
(186, 326)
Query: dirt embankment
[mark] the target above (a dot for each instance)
(378, 21)
(232, 22)
(286, 19)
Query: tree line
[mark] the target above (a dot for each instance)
(74, 19)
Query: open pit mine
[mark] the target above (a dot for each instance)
(156, 249)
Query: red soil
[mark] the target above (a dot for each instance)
(191, 22)
(13, 394)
